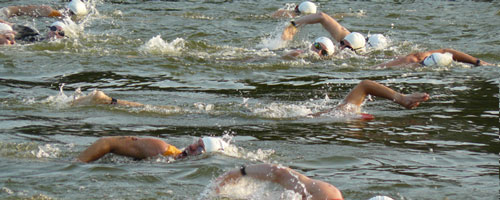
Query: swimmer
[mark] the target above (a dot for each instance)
(354, 41)
(352, 102)
(288, 178)
(27, 34)
(141, 148)
(438, 57)
(304, 8)
(29, 10)
(56, 30)
(323, 46)
(99, 98)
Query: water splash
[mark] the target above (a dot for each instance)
(72, 29)
(46, 151)
(157, 45)
(61, 100)
(273, 41)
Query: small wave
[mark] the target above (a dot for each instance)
(157, 45)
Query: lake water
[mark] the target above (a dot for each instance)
(221, 63)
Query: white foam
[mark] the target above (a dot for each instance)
(249, 188)
(157, 45)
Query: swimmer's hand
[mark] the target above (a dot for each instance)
(289, 32)
(482, 63)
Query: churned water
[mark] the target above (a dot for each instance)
(220, 64)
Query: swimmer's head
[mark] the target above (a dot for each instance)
(7, 35)
(56, 30)
(381, 198)
(78, 8)
(377, 41)
(202, 145)
(438, 59)
(323, 46)
(306, 8)
(353, 41)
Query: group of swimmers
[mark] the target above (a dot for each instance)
(141, 148)
(357, 43)
(10, 32)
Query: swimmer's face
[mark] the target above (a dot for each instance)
(196, 148)
(345, 44)
(319, 48)
(55, 32)
(7, 39)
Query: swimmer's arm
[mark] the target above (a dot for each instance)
(6, 22)
(336, 30)
(98, 149)
(129, 146)
(33, 11)
(463, 57)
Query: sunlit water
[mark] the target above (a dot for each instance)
(220, 63)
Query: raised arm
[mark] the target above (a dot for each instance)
(337, 31)
(368, 87)
(129, 146)
(286, 177)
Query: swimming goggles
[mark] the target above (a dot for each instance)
(318, 47)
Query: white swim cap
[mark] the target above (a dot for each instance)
(330, 48)
(77, 7)
(377, 41)
(439, 59)
(214, 144)
(59, 23)
(381, 198)
(307, 7)
(5, 27)
(356, 40)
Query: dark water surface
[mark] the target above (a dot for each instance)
(220, 63)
